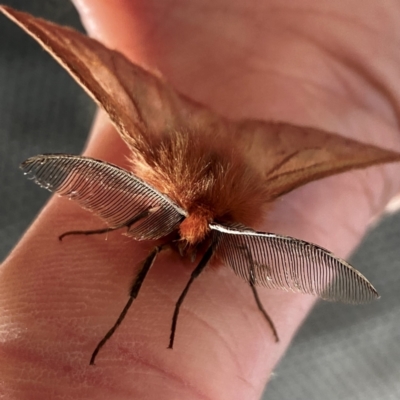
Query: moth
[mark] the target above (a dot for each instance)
(198, 181)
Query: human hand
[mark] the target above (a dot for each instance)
(224, 349)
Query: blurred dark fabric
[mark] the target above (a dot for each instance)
(341, 352)
(42, 110)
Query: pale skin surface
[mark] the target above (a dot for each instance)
(333, 65)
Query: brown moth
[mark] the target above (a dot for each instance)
(197, 180)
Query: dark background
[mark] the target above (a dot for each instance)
(341, 352)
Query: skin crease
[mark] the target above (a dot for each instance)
(333, 65)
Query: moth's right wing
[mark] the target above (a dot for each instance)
(139, 103)
(115, 195)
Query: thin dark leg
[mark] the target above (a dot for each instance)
(136, 285)
(128, 224)
(93, 232)
(198, 270)
(252, 282)
(262, 309)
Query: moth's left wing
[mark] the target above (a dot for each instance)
(283, 262)
(290, 156)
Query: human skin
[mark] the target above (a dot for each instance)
(333, 65)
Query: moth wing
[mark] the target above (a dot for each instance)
(141, 105)
(283, 262)
(289, 156)
(115, 195)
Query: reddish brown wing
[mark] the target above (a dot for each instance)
(290, 156)
(139, 103)
(143, 107)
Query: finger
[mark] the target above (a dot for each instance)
(333, 213)
(103, 145)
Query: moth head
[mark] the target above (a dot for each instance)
(195, 227)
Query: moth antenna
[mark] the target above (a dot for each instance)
(197, 271)
(135, 288)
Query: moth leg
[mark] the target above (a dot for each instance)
(252, 282)
(197, 271)
(128, 224)
(134, 291)
(93, 232)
